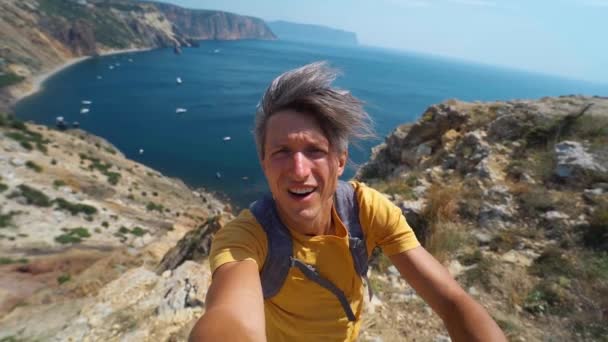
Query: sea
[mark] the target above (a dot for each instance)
(135, 99)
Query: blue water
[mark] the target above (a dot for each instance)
(134, 104)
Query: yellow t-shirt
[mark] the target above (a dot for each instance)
(303, 310)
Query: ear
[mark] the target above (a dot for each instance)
(342, 159)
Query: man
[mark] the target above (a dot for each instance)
(302, 130)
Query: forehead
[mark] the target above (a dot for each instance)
(288, 125)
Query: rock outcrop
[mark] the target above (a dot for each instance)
(511, 196)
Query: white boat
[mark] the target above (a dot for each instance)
(218, 175)
(244, 178)
(216, 51)
(226, 138)
(130, 60)
(84, 110)
(180, 110)
(99, 77)
(111, 67)
(86, 102)
(178, 80)
(141, 151)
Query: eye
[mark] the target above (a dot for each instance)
(316, 152)
(280, 152)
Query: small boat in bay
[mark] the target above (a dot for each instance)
(180, 110)
(86, 102)
(178, 80)
(84, 110)
(226, 138)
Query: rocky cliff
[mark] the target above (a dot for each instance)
(513, 198)
(38, 35)
(204, 24)
(312, 33)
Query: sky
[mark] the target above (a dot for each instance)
(560, 37)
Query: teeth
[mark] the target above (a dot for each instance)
(301, 191)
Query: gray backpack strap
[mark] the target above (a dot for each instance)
(347, 208)
(280, 247)
(311, 273)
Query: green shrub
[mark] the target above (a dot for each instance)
(481, 274)
(27, 138)
(471, 258)
(32, 196)
(9, 261)
(75, 208)
(553, 262)
(3, 187)
(153, 206)
(57, 183)
(8, 79)
(6, 220)
(138, 231)
(105, 224)
(63, 278)
(535, 201)
(74, 235)
(113, 177)
(549, 296)
(31, 165)
(595, 234)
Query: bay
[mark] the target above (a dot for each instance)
(135, 96)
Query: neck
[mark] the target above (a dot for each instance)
(319, 225)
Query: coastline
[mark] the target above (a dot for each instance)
(35, 84)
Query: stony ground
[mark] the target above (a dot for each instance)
(75, 215)
(513, 198)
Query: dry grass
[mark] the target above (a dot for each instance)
(445, 234)
(398, 186)
(442, 204)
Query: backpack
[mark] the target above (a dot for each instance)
(280, 246)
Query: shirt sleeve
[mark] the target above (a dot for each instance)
(383, 222)
(241, 239)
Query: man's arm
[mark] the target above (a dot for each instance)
(464, 318)
(234, 306)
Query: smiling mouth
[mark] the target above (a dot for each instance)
(301, 192)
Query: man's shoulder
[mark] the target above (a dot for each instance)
(367, 197)
(244, 221)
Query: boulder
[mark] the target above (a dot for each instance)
(574, 164)
(508, 127)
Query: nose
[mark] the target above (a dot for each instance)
(301, 166)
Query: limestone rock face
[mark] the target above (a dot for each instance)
(143, 306)
(574, 162)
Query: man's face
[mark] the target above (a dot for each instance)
(301, 168)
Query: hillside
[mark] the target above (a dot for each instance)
(38, 35)
(513, 198)
(75, 215)
(312, 33)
